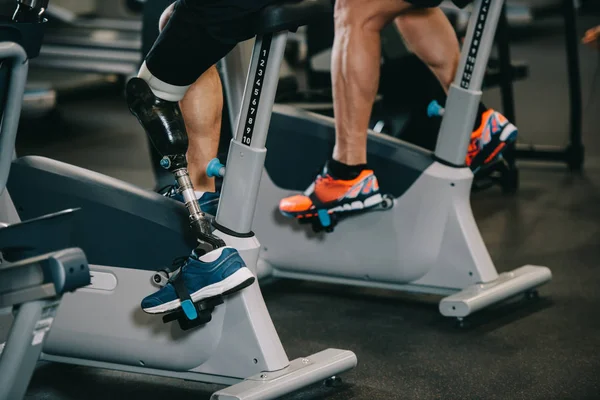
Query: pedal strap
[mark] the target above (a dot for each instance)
(322, 213)
(315, 200)
(187, 305)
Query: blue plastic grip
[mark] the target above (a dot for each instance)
(434, 109)
(215, 168)
(324, 218)
(189, 309)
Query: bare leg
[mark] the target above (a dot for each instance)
(355, 71)
(430, 36)
(201, 108)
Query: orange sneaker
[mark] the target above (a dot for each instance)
(488, 141)
(327, 196)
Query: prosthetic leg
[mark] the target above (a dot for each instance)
(164, 124)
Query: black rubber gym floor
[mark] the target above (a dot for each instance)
(544, 349)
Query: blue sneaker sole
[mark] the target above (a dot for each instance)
(237, 281)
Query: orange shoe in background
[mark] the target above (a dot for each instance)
(490, 139)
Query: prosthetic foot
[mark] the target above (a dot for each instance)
(190, 294)
(194, 285)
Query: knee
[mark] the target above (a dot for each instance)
(358, 14)
(165, 17)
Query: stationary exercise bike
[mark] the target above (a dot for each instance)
(428, 242)
(38, 263)
(129, 233)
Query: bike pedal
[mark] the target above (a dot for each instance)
(200, 315)
(326, 222)
(320, 222)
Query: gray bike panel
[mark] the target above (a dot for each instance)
(299, 143)
(119, 224)
(23, 347)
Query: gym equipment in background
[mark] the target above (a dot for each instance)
(572, 154)
(106, 42)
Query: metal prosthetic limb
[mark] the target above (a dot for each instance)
(165, 127)
(199, 222)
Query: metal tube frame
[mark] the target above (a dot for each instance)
(234, 68)
(11, 112)
(23, 347)
(261, 87)
(465, 93)
(247, 152)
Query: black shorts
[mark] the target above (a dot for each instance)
(198, 35)
(201, 32)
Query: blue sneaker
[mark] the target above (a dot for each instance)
(209, 202)
(220, 272)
